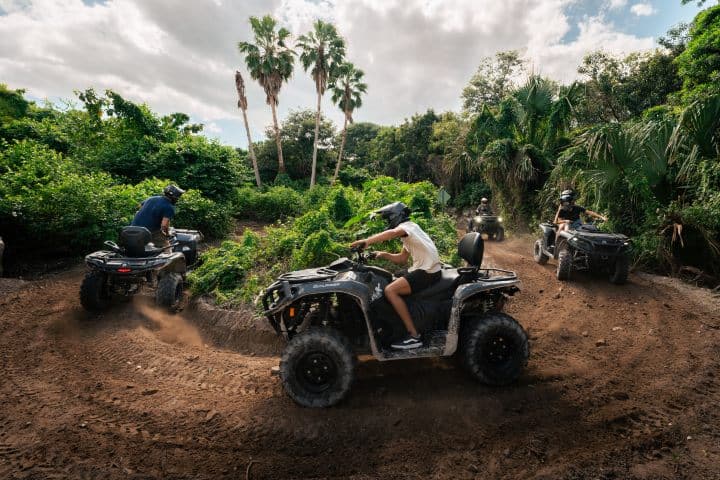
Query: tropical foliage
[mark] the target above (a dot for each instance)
(270, 61)
(322, 50)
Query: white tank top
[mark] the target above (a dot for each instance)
(421, 248)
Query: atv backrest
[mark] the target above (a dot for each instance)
(471, 249)
(134, 239)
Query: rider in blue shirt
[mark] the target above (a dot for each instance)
(156, 212)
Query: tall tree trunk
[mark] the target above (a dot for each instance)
(251, 150)
(317, 130)
(342, 147)
(281, 163)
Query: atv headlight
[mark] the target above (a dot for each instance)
(499, 219)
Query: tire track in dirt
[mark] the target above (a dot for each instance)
(75, 404)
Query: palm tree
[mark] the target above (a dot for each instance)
(242, 105)
(347, 90)
(269, 61)
(323, 50)
(516, 145)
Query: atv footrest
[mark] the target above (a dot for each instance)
(433, 346)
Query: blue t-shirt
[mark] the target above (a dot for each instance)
(152, 211)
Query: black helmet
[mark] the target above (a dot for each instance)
(567, 196)
(483, 200)
(173, 192)
(394, 214)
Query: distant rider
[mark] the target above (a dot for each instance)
(568, 214)
(156, 212)
(484, 207)
(424, 271)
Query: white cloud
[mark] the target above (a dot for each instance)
(416, 55)
(617, 4)
(643, 9)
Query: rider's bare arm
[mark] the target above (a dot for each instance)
(557, 216)
(596, 215)
(380, 237)
(397, 258)
(165, 226)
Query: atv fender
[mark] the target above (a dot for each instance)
(296, 291)
(463, 293)
(175, 264)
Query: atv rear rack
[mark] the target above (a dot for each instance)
(496, 275)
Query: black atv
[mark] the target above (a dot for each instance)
(331, 314)
(584, 248)
(491, 225)
(134, 262)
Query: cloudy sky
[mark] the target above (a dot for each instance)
(181, 55)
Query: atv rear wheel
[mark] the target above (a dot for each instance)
(620, 271)
(317, 367)
(169, 291)
(564, 265)
(500, 236)
(494, 348)
(538, 253)
(94, 292)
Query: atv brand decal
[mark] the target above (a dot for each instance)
(325, 285)
(377, 293)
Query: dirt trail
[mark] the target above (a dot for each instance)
(622, 383)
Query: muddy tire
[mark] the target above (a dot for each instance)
(538, 253)
(317, 367)
(500, 236)
(94, 292)
(564, 265)
(620, 271)
(169, 291)
(494, 348)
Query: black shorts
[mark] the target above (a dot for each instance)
(419, 280)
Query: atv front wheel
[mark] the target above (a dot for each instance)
(500, 236)
(169, 291)
(495, 348)
(317, 367)
(564, 265)
(538, 253)
(620, 271)
(94, 292)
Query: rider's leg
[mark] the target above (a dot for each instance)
(394, 292)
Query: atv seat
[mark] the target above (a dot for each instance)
(136, 242)
(449, 279)
(470, 249)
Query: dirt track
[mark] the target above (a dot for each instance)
(138, 394)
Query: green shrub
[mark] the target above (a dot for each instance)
(47, 199)
(471, 194)
(269, 206)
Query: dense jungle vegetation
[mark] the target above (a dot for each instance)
(637, 137)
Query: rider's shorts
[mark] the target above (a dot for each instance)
(419, 280)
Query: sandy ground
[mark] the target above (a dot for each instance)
(622, 383)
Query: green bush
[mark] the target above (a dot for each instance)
(47, 199)
(269, 206)
(471, 194)
(318, 236)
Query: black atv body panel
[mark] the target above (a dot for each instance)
(349, 296)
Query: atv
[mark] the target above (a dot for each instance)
(585, 248)
(491, 225)
(134, 262)
(329, 315)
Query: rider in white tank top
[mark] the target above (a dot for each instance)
(421, 248)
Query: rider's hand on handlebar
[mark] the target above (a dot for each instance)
(372, 255)
(358, 245)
